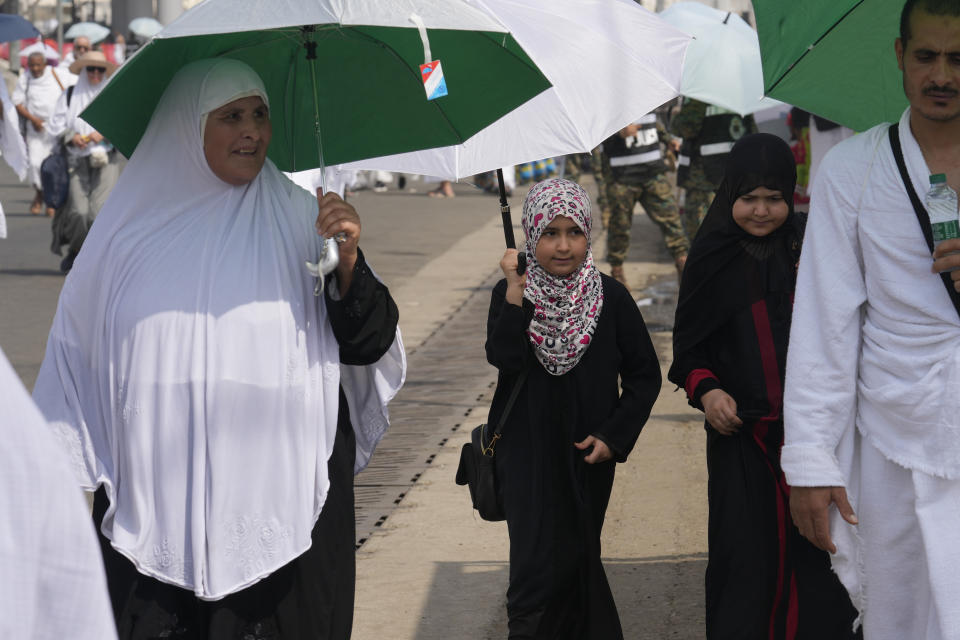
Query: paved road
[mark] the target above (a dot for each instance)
(427, 567)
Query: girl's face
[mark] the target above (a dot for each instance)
(562, 247)
(761, 211)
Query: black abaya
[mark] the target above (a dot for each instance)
(555, 503)
(763, 579)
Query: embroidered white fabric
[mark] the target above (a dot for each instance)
(51, 577)
(191, 370)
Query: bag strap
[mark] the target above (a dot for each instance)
(922, 217)
(57, 78)
(488, 450)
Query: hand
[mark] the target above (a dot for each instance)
(809, 506)
(721, 411)
(601, 452)
(96, 137)
(335, 215)
(515, 281)
(629, 130)
(78, 141)
(942, 261)
(37, 124)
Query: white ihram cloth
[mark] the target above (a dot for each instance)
(873, 353)
(51, 582)
(11, 145)
(66, 120)
(39, 96)
(191, 370)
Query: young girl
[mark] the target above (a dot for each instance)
(574, 332)
(729, 348)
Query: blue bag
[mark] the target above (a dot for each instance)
(54, 179)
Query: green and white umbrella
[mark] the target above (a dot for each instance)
(525, 79)
(834, 58)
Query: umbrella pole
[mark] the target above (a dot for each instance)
(508, 225)
(311, 47)
(329, 255)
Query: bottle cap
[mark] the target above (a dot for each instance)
(938, 178)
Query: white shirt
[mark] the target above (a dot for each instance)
(39, 95)
(874, 340)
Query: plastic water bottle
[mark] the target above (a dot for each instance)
(941, 203)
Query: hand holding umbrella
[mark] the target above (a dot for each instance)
(338, 222)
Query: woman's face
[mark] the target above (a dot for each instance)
(761, 211)
(562, 247)
(236, 138)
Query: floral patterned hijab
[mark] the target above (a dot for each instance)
(565, 308)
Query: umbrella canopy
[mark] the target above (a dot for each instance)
(609, 63)
(723, 62)
(834, 58)
(14, 27)
(40, 47)
(96, 32)
(145, 27)
(355, 70)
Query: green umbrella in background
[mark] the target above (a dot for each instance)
(834, 58)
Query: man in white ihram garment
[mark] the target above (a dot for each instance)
(872, 402)
(52, 583)
(35, 96)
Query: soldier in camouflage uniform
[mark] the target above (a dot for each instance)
(708, 134)
(632, 170)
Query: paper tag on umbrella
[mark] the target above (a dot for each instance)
(433, 80)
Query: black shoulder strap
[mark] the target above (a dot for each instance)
(922, 217)
(489, 447)
(69, 94)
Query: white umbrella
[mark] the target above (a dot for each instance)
(96, 32)
(145, 27)
(610, 62)
(723, 62)
(40, 47)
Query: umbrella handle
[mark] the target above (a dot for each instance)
(508, 225)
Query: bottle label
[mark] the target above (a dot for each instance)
(945, 230)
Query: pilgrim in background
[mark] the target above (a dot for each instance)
(94, 165)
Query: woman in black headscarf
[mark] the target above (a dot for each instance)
(729, 346)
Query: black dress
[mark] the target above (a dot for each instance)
(763, 580)
(311, 596)
(554, 502)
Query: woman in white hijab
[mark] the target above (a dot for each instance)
(93, 164)
(199, 382)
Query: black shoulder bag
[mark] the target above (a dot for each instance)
(477, 469)
(922, 217)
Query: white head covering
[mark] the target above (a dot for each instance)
(51, 583)
(190, 367)
(66, 117)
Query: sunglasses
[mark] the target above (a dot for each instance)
(96, 69)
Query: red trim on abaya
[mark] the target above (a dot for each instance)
(771, 375)
(694, 379)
